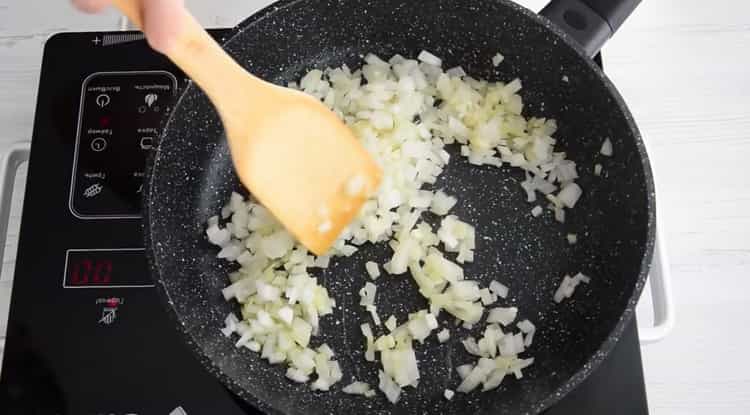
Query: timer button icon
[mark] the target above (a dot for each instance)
(98, 144)
(102, 100)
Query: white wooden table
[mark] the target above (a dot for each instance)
(682, 66)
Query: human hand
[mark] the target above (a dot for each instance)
(161, 19)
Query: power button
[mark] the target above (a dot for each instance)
(98, 144)
(102, 100)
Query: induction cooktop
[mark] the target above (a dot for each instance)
(86, 332)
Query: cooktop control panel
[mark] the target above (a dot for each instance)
(119, 121)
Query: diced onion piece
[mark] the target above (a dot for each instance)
(391, 323)
(529, 339)
(391, 390)
(493, 380)
(421, 326)
(607, 149)
(568, 285)
(502, 315)
(569, 195)
(582, 278)
(525, 326)
(357, 388)
(597, 169)
(487, 297)
(301, 331)
(497, 59)
(367, 294)
(385, 343)
(217, 236)
(559, 214)
(443, 335)
(429, 58)
(475, 377)
(536, 211)
(572, 238)
(442, 203)
(277, 244)
(230, 325)
(470, 344)
(297, 375)
(373, 313)
(499, 289)
(267, 293)
(370, 347)
(448, 394)
(372, 269)
(464, 370)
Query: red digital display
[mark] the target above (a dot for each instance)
(91, 271)
(113, 268)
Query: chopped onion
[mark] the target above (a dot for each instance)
(568, 285)
(391, 323)
(569, 195)
(470, 344)
(230, 325)
(443, 335)
(572, 238)
(497, 59)
(597, 169)
(404, 112)
(297, 375)
(474, 378)
(442, 203)
(499, 289)
(502, 315)
(358, 388)
(391, 390)
(219, 237)
(367, 294)
(370, 348)
(606, 149)
(487, 297)
(429, 58)
(448, 394)
(372, 269)
(525, 326)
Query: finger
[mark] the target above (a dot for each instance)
(163, 22)
(91, 6)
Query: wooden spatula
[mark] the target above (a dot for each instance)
(295, 156)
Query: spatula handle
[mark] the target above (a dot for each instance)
(225, 82)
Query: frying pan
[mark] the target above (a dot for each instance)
(191, 177)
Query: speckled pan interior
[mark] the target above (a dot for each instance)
(192, 177)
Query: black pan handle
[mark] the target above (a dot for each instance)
(590, 22)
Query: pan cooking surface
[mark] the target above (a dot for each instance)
(192, 178)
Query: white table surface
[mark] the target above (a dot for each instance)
(682, 66)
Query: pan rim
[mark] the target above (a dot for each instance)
(588, 366)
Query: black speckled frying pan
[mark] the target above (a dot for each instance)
(192, 177)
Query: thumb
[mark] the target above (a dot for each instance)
(91, 6)
(162, 21)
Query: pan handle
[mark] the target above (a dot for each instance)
(590, 22)
(661, 296)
